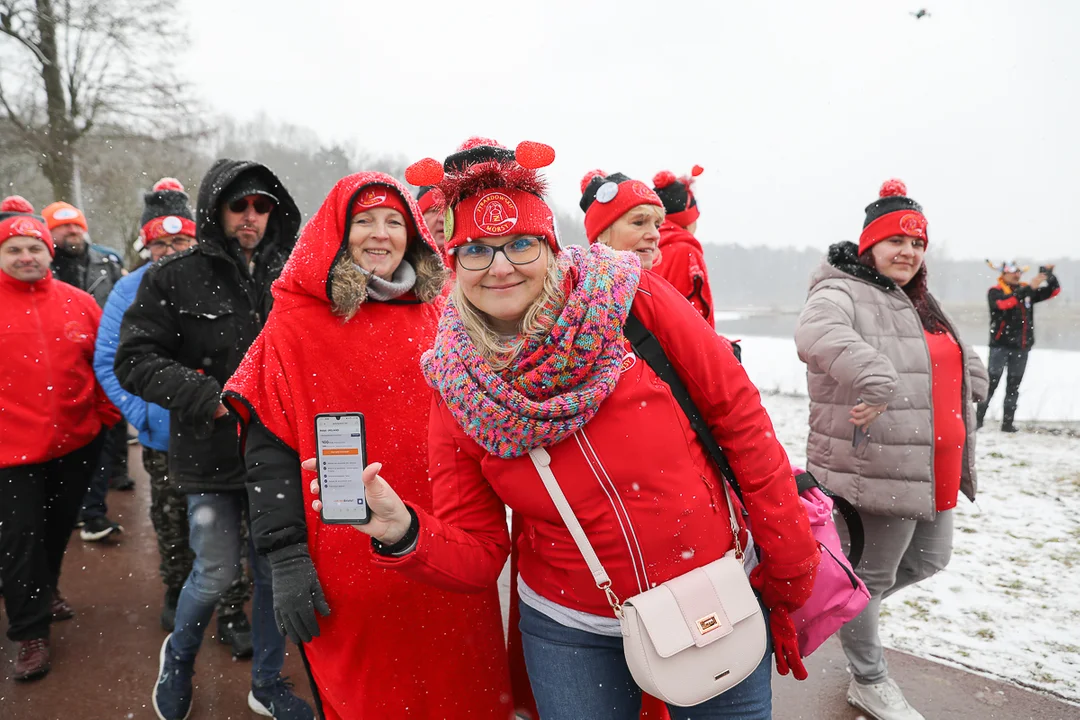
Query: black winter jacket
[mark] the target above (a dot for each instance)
(1012, 315)
(193, 319)
(95, 271)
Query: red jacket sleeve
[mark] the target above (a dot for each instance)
(731, 405)
(464, 543)
(1000, 301)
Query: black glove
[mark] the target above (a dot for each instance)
(297, 593)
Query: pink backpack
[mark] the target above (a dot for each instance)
(839, 595)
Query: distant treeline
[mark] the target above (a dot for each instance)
(762, 277)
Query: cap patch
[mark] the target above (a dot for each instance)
(66, 214)
(25, 227)
(914, 225)
(644, 192)
(371, 196)
(172, 225)
(495, 214)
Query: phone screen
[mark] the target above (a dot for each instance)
(339, 443)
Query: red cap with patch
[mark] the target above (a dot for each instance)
(892, 214)
(382, 196)
(606, 198)
(17, 220)
(490, 191)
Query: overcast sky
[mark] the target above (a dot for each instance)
(797, 110)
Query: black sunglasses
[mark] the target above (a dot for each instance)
(261, 203)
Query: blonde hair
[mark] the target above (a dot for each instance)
(499, 352)
(658, 212)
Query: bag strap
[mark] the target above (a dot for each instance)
(857, 537)
(648, 347)
(542, 462)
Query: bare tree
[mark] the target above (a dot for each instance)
(71, 66)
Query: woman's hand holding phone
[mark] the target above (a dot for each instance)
(390, 518)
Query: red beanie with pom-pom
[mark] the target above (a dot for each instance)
(606, 198)
(490, 191)
(892, 214)
(17, 219)
(678, 196)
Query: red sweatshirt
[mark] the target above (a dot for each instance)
(50, 401)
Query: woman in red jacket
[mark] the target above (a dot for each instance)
(353, 310)
(530, 353)
(684, 260)
(51, 418)
(622, 213)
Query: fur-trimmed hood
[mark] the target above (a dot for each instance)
(843, 260)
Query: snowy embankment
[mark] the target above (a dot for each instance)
(1008, 604)
(1050, 393)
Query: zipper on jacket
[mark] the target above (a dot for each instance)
(714, 497)
(50, 386)
(622, 517)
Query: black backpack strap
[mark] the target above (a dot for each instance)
(648, 348)
(856, 536)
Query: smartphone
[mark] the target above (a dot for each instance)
(341, 451)
(1043, 270)
(860, 435)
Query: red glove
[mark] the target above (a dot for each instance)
(786, 644)
(787, 593)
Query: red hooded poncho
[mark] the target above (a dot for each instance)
(391, 647)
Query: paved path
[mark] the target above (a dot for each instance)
(105, 660)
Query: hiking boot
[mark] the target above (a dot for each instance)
(1009, 428)
(121, 482)
(168, 610)
(34, 659)
(882, 700)
(278, 701)
(172, 694)
(60, 608)
(98, 528)
(235, 630)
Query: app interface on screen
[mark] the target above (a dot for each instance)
(341, 465)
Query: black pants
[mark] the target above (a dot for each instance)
(112, 463)
(38, 507)
(1016, 363)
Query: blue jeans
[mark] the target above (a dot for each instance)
(576, 674)
(214, 521)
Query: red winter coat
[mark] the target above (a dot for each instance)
(644, 489)
(392, 647)
(682, 263)
(50, 401)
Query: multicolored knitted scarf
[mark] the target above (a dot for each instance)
(559, 381)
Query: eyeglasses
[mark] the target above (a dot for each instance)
(521, 251)
(178, 244)
(261, 203)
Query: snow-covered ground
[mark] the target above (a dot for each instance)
(1051, 389)
(1008, 605)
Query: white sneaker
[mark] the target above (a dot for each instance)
(882, 700)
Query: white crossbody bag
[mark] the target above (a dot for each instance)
(690, 639)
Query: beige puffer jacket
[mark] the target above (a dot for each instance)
(861, 338)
